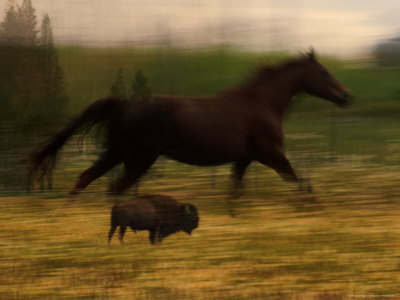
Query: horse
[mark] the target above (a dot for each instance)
(238, 125)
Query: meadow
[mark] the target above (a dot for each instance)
(341, 242)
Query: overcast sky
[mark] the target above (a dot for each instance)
(342, 27)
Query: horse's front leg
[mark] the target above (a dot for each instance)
(238, 170)
(273, 157)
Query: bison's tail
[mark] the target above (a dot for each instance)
(44, 158)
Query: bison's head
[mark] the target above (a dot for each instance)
(189, 218)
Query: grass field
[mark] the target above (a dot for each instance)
(341, 242)
(280, 245)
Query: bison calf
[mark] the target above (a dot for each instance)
(161, 215)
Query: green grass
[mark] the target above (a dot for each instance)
(89, 73)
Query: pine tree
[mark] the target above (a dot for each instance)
(27, 24)
(52, 78)
(9, 28)
(139, 87)
(46, 33)
(8, 37)
(31, 80)
(32, 92)
(26, 97)
(19, 25)
(19, 61)
(118, 87)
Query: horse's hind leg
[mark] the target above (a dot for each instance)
(101, 166)
(134, 169)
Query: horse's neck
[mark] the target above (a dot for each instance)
(275, 94)
(280, 92)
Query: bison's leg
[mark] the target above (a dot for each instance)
(121, 233)
(152, 235)
(133, 228)
(101, 166)
(111, 232)
(160, 234)
(133, 171)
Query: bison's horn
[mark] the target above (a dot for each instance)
(187, 209)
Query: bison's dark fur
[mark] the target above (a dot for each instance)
(161, 215)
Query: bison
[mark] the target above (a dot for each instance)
(161, 215)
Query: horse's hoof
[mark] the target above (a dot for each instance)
(74, 192)
(305, 186)
(311, 200)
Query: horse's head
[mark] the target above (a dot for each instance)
(318, 82)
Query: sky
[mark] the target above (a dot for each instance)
(340, 27)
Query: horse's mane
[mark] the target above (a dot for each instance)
(265, 74)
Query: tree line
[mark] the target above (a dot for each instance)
(32, 89)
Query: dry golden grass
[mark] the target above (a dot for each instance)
(343, 243)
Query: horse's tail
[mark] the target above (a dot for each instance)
(44, 158)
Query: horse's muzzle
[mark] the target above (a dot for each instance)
(343, 98)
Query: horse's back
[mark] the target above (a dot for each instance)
(206, 131)
(199, 131)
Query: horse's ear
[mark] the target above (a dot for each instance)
(311, 54)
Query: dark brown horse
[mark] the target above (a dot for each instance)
(238, 125)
